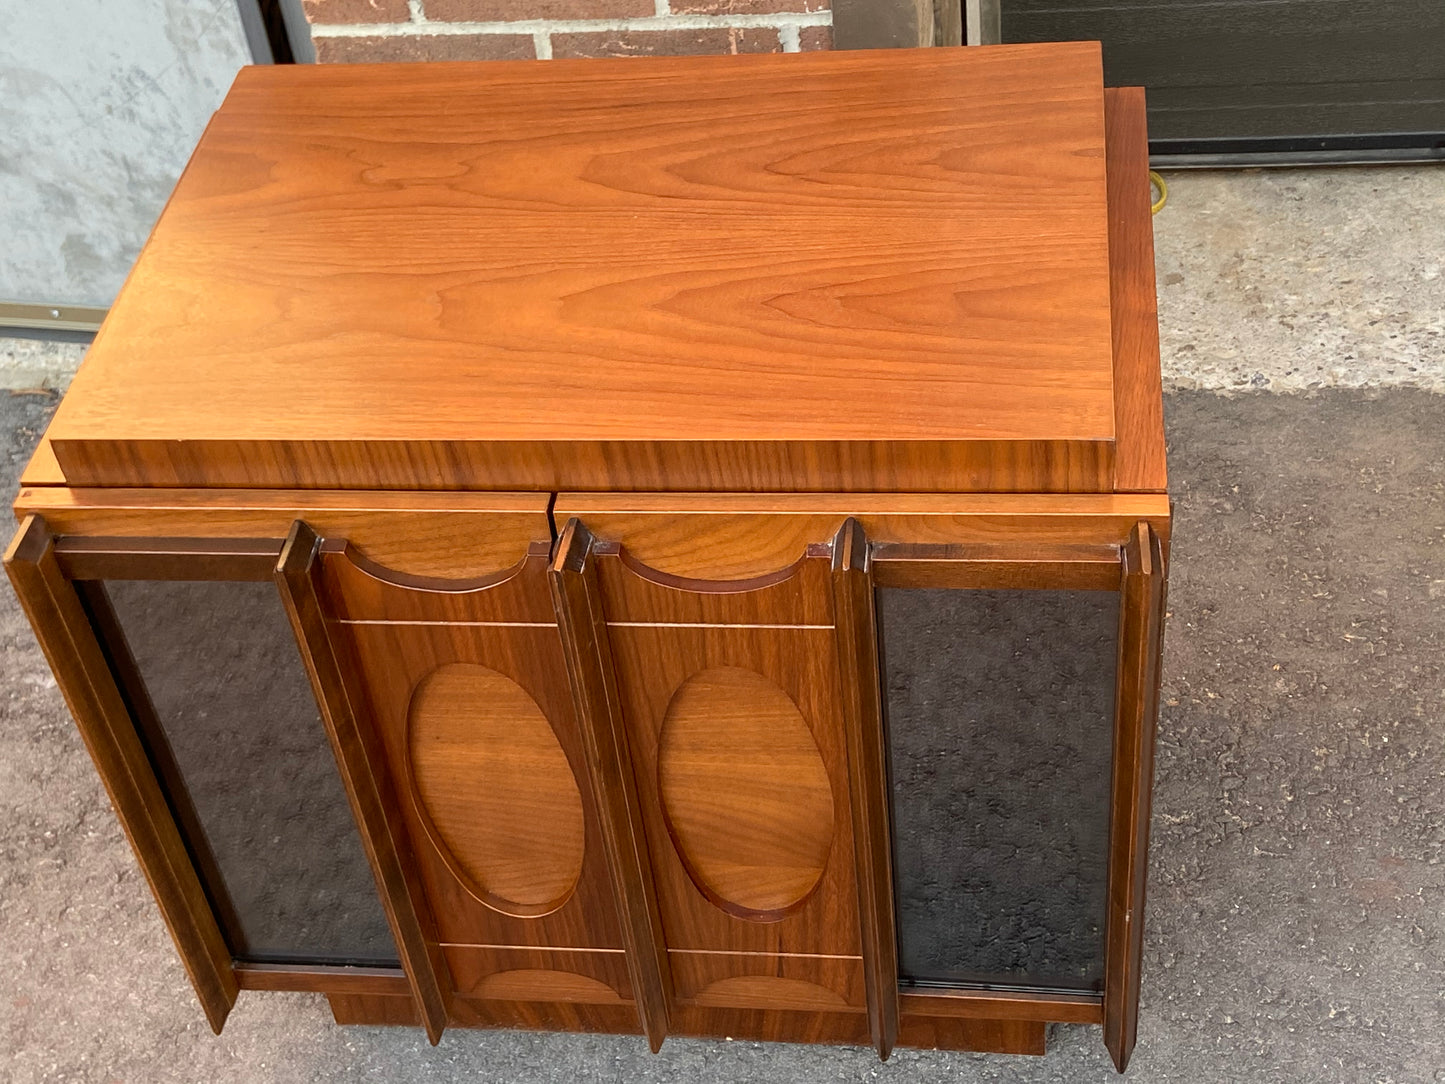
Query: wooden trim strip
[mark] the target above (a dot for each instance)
(308, 978)
(992, 1005)
(397, 881)
(578, 598)
(70, 646)
(857, 645)
(112, 558)
(1139, 461)
(1141, 621)
(1037, 567)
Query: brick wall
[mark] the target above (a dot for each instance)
(370, 30)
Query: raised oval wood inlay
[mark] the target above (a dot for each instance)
(745, 792)
(495, 789)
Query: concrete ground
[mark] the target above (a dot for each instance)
(1296, 930)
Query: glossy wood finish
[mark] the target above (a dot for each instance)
(1000, 1005)
(85, 679)
(715, 268)
(465, 686)
(362, 763)
(856, 625)
(742, 535)
(990, 1036)
(699, 663)
(374, 1009)
(454, 535)
(988, 566)
(119, 558)
(777, 365)
(1141, 634)
(924, 1023)
(384, 981)
(755, 848)
(1139, 464)
(577, 599)
(494, 789)
(545, 1016)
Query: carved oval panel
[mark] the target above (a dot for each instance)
(745, 792)
(495, 788)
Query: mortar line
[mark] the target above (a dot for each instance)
(773, 21)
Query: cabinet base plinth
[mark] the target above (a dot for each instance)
(374, 1009)
(928, 1032)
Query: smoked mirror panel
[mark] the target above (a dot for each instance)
(218, 690)
(1000, 715)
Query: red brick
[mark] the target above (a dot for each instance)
(357, 11)
(482, 11)
(425, 47)
(745, 7)
(811, 38)
(665, 42)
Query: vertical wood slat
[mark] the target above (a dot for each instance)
(584, 638)
(856, 627)
(358, 757)
(1141, 624)
(75, 655)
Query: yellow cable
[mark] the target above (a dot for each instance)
(1158, 182)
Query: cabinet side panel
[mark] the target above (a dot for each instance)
(1139, 464)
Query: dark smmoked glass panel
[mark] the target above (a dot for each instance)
(1000, 708)
(218, 689)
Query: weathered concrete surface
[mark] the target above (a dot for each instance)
(101, 103)
(1295, 931)
(1297, 279)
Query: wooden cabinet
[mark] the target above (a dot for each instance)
(721, 639)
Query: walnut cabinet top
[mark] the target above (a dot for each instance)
(917, 270)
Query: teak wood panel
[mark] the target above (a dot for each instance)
(856, 623)
(1141, 637)
(361, 761)
(870, 226)
(742, 535)
(467, 686)
(1139, 464)
(447, 535)
(583, 626)
(730, 694)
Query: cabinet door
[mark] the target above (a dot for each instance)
(463, 688)
(1019, 687)
(180, 668)
(729, 695)
(978, 682)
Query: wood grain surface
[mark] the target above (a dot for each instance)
(466, 688)
(671, 642)
(735, 536)
(447, 535)
(883, 269)
(361, 760)
(859, 659)
(1139, 464)
(580, 619)
(1141, 639)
